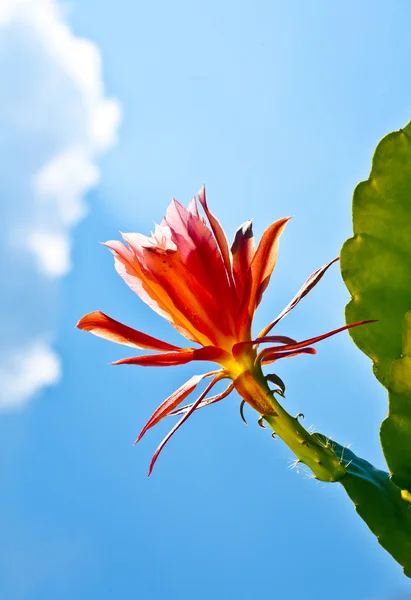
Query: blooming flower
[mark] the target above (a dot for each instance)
(187, 272)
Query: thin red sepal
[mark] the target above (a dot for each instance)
(270, 358)
(310, 341)
(206, 402)
(104, 326)
(180, 422)
(172, 401)
(311, 282)
(280, 339)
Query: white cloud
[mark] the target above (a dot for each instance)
(56, 121)
(27, 371)
(52, 251)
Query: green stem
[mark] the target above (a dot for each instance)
(310, 448)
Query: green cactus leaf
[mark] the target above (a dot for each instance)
(381, 504)
(376, 268)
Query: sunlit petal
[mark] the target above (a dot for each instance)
(103, 326)
(272, 357)
(312, 281)
(242, 250)
(180, 422)
(169, 359)
(206, 402)
(182, 357)
(172, 401)
(129, 267)
(310, 341)
(219, 234)
(264, 260)
(238, 348)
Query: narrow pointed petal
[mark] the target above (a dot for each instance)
(104, 326)
(280, 339)
(180, 422)
(283, 339)
(219, 235)
(313, 340)
(182, 357)
(272, 357)
(259, 273)
(169, 359)
(172, 401)
(311, 282)
(193, 208)
(206, 402)
(242, 250)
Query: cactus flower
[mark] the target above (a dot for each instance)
(187, 272)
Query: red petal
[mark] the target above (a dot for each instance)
(172, 401)
(103, 326)
(219, 235)
(269, 358)
(312, 281)
(180, 422)
(313, 340)
(170, 359)
(242, 250)
(211, 400)
(280, 339)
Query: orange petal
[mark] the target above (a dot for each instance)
(103, 326)
(129, 267)
(172, 401)
(185, 290)
(180, 422)
(312, 281)
(264, 261)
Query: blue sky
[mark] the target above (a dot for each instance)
(277, 107)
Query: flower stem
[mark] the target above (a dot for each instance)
(310, 448)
